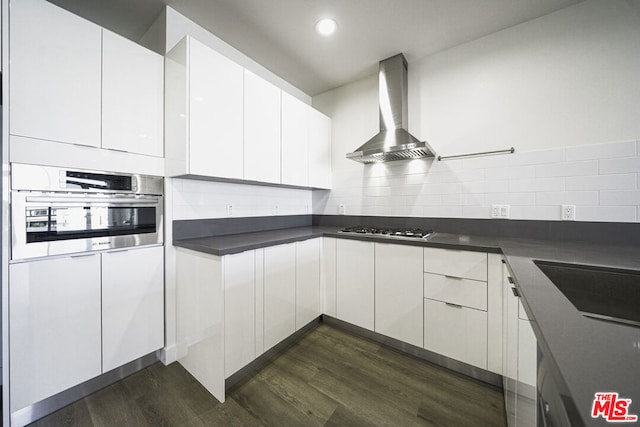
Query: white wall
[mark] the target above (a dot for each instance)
(562, 89)
(568, 78)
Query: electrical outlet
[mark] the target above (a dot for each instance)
(569, 212)
(276, 209)
(229, 210)
(342, 210)
(500, 211)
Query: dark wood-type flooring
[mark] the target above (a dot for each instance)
(327, 378)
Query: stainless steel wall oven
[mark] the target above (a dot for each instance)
(59, 211)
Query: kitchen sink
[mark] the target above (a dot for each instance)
(598, 292)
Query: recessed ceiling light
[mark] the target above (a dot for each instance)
(326, 26)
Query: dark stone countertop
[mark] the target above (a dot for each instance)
(589, 355)
(235, 243)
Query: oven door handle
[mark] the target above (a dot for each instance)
(90, 200)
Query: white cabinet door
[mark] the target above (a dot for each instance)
(279, 293)
(215, 113)
(455, 263)
(132, 305)
(295, 141)
(203, 112)
(355, 285)
(526, 401)
(328, 276)
(509, 348)
(55, 64)
(54, 326)
(132, 97)
(398, 292)
(319, 150)
(456, 332)
(307, 281)
(261, 129)
(239, 311)
(200, 318)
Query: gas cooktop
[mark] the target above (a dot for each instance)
(409, 233)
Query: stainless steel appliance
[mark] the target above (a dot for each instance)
(393, 142)
(60, 211)
(404, 233)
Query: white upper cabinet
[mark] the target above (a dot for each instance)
(55, 88)
(261, 129)
(215, 113)
(203, 112)
(132, 97)
(295, 141)
(319, 149)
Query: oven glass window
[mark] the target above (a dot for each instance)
(46, 224)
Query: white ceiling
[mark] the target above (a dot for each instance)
(280, 35)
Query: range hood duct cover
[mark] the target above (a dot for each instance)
(393, 142)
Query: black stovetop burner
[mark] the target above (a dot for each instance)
(415, 233)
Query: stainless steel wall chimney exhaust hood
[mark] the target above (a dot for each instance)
(393, 142)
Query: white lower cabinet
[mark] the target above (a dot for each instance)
(328, 276)
(132, 305)
(520, 360)
(398, 292)
(239, 311)
(74, 318)
(456, 332)
(279, 293)
(200, 318)
(456, 304)
(54, 326)
(307, 281)
(355, 282)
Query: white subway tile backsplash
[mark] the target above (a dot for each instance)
(623, 165)
(477, 212)
(445, 188)
(485, 187)
(578, 198)
(602, 151)
(601, 182)
(589, 167)
(443, 211)
(428, 200)
(510, 199)
(548, 213)
(194, 199)
(537, 184)
(619, 198)
(511, 172)
(607, 213)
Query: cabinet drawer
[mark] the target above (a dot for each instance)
(469, 293)
(469, 265)
(456, 332)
